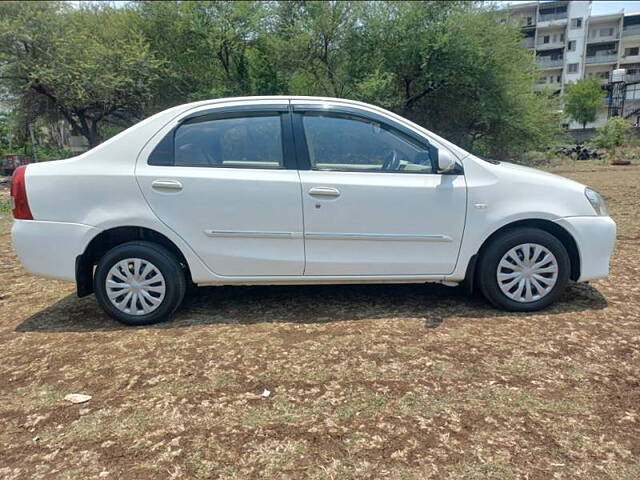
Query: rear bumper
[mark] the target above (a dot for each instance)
(49, 249)
(595, 237)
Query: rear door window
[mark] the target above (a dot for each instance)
(239, 142)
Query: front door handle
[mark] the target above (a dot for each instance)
(324, 192)
(166, 185)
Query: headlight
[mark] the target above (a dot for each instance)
(596, 201)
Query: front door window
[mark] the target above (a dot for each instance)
(350, 143)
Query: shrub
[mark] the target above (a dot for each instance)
(50, 152)
(615, 133)
(534, 159)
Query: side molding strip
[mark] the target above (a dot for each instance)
(248, 234)
(409, 237)
(406, 237)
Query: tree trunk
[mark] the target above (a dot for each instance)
(94, 134)
(89, 129)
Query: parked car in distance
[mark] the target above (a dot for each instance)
(299, 190)
(12, 161)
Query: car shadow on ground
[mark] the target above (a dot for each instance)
(305, 304)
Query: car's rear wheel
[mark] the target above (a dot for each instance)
(524, 269)
(139, 283)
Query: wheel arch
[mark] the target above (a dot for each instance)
(112, 237)
(548, 226)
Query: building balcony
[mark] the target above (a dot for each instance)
(605, 39)
(552, 19)
(606, 58)
(631, 31)
(545, 62)
(630, 59)
(528, 42)
(632, 78)
(549, 46)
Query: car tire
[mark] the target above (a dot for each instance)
(139, 283)
(512, 273)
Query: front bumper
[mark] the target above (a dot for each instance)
(595, 238)
(49, 249)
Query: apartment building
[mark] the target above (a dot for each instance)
(569, 43)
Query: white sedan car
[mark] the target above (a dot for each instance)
(299, 190)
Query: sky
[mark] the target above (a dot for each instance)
(598, 7)
(602, 7)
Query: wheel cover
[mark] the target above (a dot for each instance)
(527, 272)
(135, 286)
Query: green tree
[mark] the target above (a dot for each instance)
(208, 49)
(583, 100)
(88, 65)
(450, 66)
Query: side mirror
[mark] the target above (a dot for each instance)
(446, 162)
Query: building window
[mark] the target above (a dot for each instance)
(546, 39)
(631, 52)
(573, 67)
(557, 37)
(606, 32)
(572, 45)
(576, 23)
(529, 21)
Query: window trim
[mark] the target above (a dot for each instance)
(234, 111)
(302, 147)
(244, 111)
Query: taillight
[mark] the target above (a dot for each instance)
(21, 210)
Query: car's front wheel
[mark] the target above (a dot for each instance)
(524, 269)
(139, 283)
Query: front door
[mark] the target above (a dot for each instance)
(227, 192)
(372, 203)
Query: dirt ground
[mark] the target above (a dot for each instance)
(396, 381)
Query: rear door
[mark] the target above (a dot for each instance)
(373, 204)
(224, 182)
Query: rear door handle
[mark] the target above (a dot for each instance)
(166, 185)
(324, 192)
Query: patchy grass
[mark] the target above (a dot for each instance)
(5, 200)
(361, 387)
(5, 207)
